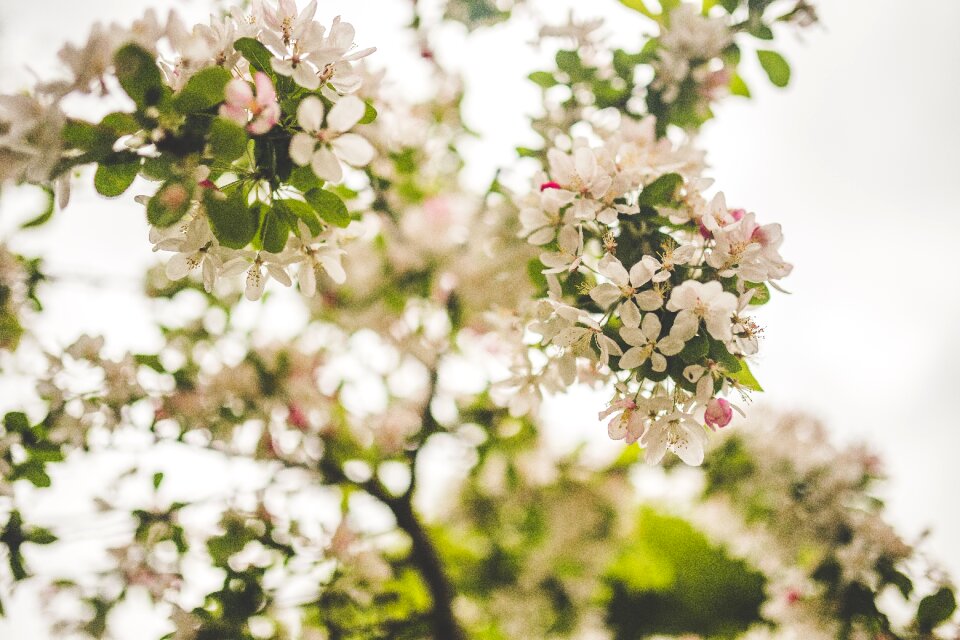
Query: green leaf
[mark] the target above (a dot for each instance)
(329, 206)
(745, 377)
(203, 90)
(569, 62)
(695, 350)
(535, 273)
(39, 535)
(16, 422)
(730, 5)
(233, 222)
(738, 87)
(150, 360)
(935, 609)
(169, 204)
(777, 68)
(112, 180)
(304, 179)
(761, 295)
(661, 191)
(47, 213)
(157, 479)
(274, 231)
(256, 54)
(718, 352)
(139, 75)
(228, 140)
(369, 114)
(543, 79)
(638, 5)
(119, 124)
(298, 210)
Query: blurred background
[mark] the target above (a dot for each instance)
(856, 159)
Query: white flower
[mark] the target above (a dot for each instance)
(678, 432)
(541, 216)
(624, 285)
(707, 302)
(324, 148)
(749, 251)
(335, 59)
(627, 424)
(646, 343)
(315, 254)
(569, 253)
(580, 172)
(693, 35)
(286, 21)
(265, 266)
(30, 142)
(578, 341)
(196, 248)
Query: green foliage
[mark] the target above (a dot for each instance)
(293, 210)
(203, 90)
(936, 609)
(228, 140)
(256, 54)
(543, 79)
(139, 76)
(661, 191)
(328, 206)
(777, 68)
(669, 579)
(169, 204)
(745, 377)
(274, 230)
(232, 220)
(46, 214)
(114, 178)
(369, 113)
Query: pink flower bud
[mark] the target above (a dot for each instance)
(719, 413)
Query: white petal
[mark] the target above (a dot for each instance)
(306, 77)
(308, 279)
(633, 358)
(310, 113)
(334, 269)
(629, 314)
(353, 149)
(326, 165)
(605, 294)
(651, 327)
(302, 146)
(346, 113)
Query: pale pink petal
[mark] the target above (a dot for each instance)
(266, 94)
(238, 93)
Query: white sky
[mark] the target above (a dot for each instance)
(855, 159)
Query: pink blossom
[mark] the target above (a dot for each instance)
(719, 413)
(258, 112)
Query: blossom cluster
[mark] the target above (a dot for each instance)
(650, 284)
(243, 122)
(804, 514)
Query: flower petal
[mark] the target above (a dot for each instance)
(302, 146)
(353, 149)
(310, 114)
(326, 165)
(346, 113)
